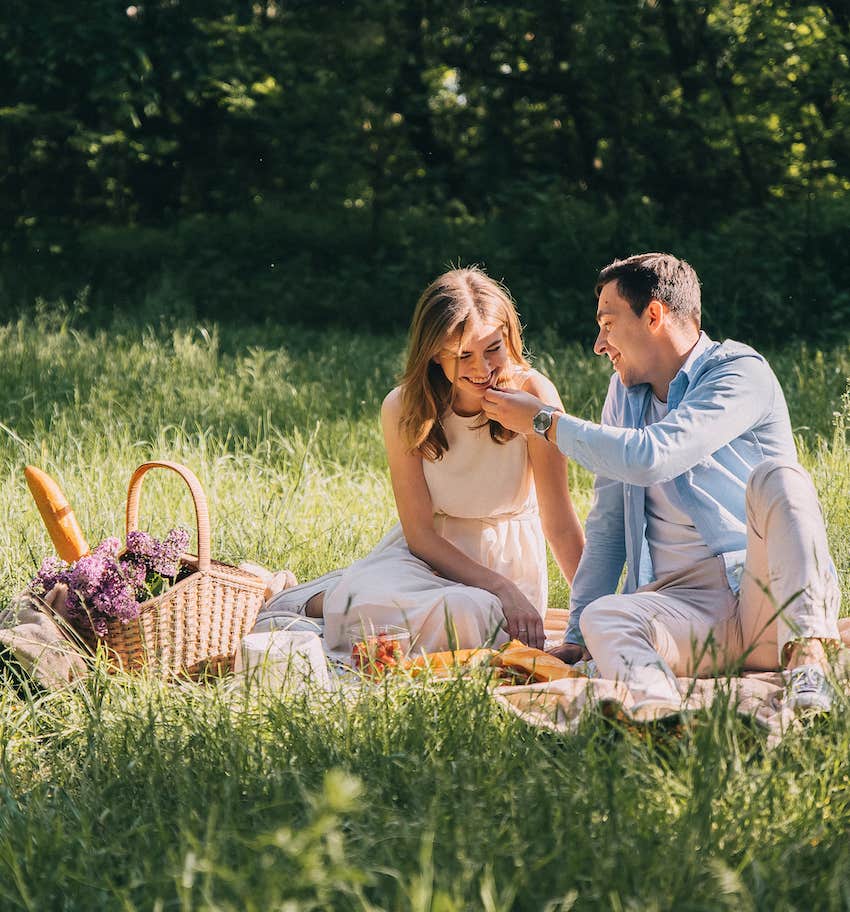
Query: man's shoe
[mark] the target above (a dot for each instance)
(807, 690)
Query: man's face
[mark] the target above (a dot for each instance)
(624, 337)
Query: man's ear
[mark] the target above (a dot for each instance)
(655, 314)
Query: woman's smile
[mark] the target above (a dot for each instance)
(474, 362)
(482, 383)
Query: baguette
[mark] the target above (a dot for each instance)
(62, 525)
(538, 665)
(443, 664)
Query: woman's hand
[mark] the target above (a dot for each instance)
(523, 623)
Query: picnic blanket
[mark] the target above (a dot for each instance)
(559, 705)
(31, 639)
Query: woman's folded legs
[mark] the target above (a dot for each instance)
(451, 616)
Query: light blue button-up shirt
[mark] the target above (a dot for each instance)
(727, 414)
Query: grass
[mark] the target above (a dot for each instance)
(123, 793)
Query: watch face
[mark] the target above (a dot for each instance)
(542, 421)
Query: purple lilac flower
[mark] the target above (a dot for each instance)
(84, 576)
(134, 571)
(104, 587)
(110, 546)
(141, 546)
(49, 574)
(173, 547)
(159, 557)
(115, 598)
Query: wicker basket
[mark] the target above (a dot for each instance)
(197, 625)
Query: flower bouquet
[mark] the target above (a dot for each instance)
(109, 584)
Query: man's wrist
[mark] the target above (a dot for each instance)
(552, 431)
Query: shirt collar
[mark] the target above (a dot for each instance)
(702, 346)
(683, 377)
(637, 395)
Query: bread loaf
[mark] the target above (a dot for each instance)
(62, 525)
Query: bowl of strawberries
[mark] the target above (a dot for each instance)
(376, 648)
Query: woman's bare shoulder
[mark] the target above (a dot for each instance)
(532, 381)
(391, 413)
(391, 406)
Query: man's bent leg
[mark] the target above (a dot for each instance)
(789, 590)
(647, 638)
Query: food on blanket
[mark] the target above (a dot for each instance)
(445, 664)
(378, 649)
(62, 525)
(514, 663)
(531, 665)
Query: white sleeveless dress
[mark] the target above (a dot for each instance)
(484, 504)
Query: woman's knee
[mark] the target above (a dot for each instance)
(468, 617)
(476, 605)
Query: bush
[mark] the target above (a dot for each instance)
(769, 274)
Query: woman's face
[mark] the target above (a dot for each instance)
(474, 362)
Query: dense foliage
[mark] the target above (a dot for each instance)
(322, 159)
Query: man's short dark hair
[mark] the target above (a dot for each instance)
(660, 276)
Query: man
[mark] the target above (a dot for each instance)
(699, 493)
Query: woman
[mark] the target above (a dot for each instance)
(466, 564)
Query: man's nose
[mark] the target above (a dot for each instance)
(599, 344)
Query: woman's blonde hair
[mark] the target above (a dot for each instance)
(441, 315)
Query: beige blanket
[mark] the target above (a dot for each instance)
(559, 705)
(33, 639)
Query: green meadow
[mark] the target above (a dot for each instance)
(125, 793)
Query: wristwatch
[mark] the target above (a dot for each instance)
(542, 421)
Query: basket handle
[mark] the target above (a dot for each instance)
(202, 515)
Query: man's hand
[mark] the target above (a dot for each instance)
(513, 409)
(569, 653)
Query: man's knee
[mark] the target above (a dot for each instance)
(777, 475)
(601, 616)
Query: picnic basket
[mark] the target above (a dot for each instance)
(198, 623)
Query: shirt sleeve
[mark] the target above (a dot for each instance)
(727, 401)
(604, 551)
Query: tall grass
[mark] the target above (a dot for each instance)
(129, 794)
